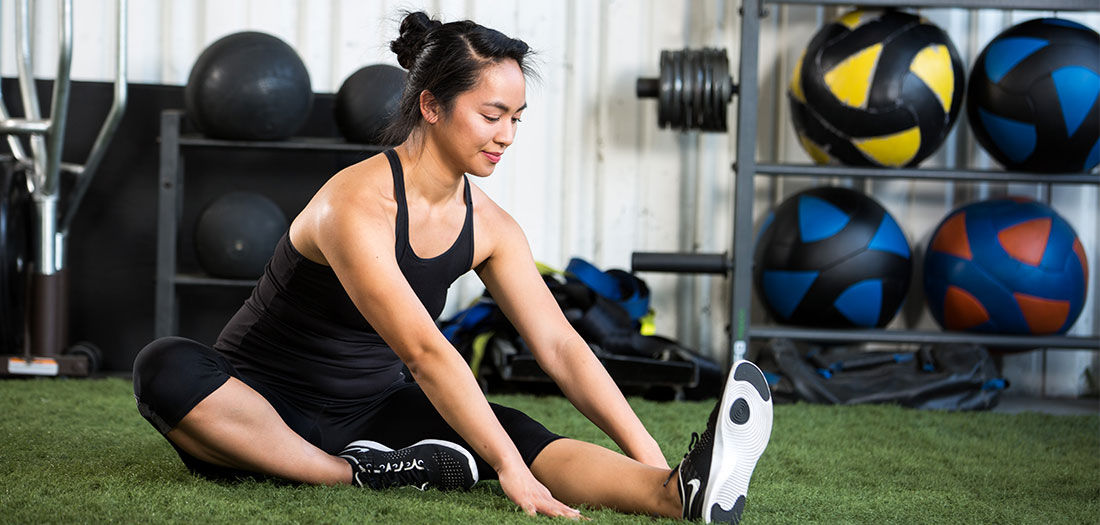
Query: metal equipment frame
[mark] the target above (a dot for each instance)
(47, 314)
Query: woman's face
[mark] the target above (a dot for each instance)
(483, 121)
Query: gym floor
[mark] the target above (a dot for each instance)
(1055, 406)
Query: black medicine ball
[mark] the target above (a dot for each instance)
(832, 257)
(248, 86)
(237, 233)
(368, 101)
(1034, 97)
(876, 88)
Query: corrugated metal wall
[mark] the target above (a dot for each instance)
(590, 174)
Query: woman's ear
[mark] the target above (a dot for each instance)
(429, 107)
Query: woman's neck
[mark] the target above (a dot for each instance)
(427, 174)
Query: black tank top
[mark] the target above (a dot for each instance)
(299, 330)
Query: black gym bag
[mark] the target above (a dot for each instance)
(938, 377)
(650, 365)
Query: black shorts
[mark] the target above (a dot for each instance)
(173, 374)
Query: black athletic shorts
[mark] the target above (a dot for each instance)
(173, 374)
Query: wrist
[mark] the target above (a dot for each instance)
(509, 464)
(648, 452)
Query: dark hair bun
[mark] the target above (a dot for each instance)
(415, 29)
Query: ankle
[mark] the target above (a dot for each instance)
(671, 503)
(347, 476)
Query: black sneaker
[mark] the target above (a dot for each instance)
(714, 475)
(430, 463)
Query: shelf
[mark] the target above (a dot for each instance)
(170, 203)
(926, 337)
(808, 170)
(742, 330)
(1048, 5)
(205, 280)
(296, 143)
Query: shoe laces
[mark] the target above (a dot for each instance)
(695, 439)
(395, 473)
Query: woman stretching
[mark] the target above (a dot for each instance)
(305, 382)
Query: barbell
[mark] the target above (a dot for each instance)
(693, 91)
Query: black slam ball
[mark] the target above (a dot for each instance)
(237, 233)
(368, 101)
(248, 86)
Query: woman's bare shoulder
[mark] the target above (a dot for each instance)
(361, 193)
(494, 228)
(367, 179)
(488, 215)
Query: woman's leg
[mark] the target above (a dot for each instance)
(236, 427)
(223, 425)
(575, 471)
(715, 472)
(220, 425)
(578, 473)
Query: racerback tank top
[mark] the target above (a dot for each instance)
(300, 331)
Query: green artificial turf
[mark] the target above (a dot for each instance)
(77, 451)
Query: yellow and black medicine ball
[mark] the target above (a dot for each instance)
(876, 88)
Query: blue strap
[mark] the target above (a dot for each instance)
(637, 301)
(616, 285)
(995, 384)
(594, 278)
(467, 320)
(772, 378)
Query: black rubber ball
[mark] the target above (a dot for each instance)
(368, 101)
(248, 86)
(237, 233)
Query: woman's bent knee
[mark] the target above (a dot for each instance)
(172, 375)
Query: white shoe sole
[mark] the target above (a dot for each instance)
(740, 436)
(374, 445)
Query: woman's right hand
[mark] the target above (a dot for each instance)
(533, 497)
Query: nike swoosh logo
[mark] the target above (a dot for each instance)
(694, 484)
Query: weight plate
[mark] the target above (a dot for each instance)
(699, 89)
(709, 89)
(14, 253)
(686, 89)
(664, 96)
(694, 89)
(677, 108)
(723, 89)
(681, 85)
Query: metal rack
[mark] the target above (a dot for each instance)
(746, 169)
(170, 205)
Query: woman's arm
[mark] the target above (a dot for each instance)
(360, 250)
(511, 277)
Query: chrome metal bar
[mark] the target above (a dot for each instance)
(27, 89)
(7, 126)
(110, 125)
(59, 106)
(46, 238)
(22, 126)
(14, 144)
